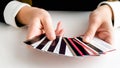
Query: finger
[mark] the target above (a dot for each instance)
(59, 30)
(61, 33)
(59, 27)
(34, 28)
(94, 24)
(48, 27)
(106, 36)
(109, 40)
(110, 37)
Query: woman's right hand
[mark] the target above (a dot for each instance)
(38, 21)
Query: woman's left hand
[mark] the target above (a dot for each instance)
(100, 25)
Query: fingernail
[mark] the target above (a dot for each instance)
(87, 39)
(51, 36)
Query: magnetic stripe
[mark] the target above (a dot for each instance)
(58, 46)
(71, 50)
(62, 47)
(53, 45)
(35, 39)
(43, 43)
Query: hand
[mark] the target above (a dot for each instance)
(38, 21)
(100, 25)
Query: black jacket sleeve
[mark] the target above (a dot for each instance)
(79, 5)
(3, 3)
(67, 5)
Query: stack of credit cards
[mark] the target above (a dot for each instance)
(70, 46)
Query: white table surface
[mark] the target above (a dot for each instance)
(15, 54)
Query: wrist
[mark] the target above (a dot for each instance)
(22, 14)
(108, 10)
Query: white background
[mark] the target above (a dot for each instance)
(15, 54)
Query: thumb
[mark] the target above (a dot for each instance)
(91, 31)
(48, 27)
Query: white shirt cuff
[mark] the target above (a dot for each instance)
(11, 11)
(115, 5)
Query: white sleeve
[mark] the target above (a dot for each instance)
(11, 10)
(115, 6)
